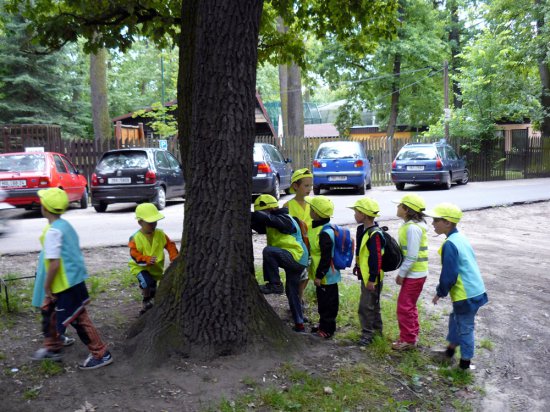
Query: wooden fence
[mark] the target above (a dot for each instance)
(491, 162)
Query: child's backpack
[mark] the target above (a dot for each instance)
(393, 256)
(303, 229)
(344, 247)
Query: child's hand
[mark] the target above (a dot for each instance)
(357, 272)
(317, 282)
(152, 260)
(370, 286)
(399, 280)
(435, 299)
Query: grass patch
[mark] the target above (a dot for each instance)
(487, 344)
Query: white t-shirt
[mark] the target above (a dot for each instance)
(52, 244)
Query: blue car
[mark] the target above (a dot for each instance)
(428, 164)
(341, 164)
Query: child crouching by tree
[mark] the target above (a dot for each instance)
(285, 249)
(147, 252)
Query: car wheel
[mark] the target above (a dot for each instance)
(276, 193)
(101, 207)
(448, 182)
(361, 189)
(160, 199)
(369, 185)
(400, 186)
(316, 190)
(84, 200)
(465, 178)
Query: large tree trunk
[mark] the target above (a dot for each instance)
(209, 303)
(98, 84)
(544, 72)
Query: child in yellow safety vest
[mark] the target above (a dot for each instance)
(321, 270)
(414, 270)
(368, 268)
(147, 252)
(301, 184)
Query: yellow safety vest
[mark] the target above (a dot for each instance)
(364, 259)
(421, 264)
(155, 247)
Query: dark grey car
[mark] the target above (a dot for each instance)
(136, 175)
(428, 164)
(272, 172)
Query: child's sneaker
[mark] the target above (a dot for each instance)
(299, 327)
(67, 340)
(43, 354)
(365, 341)
(272, 288)
(401, 346)
(93, 363)
(146, 306)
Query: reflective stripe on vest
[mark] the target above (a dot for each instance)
(421, 263)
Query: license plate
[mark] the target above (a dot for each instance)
(119, 180)
(337, 178)
(415, 167)
(13, 183)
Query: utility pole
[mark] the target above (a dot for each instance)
(446, 110)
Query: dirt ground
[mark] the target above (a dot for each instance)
(512, 245)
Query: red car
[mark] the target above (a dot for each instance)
(23, 174)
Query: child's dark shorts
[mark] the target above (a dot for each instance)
(146, 280)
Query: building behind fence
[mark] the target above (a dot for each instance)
(495, 160)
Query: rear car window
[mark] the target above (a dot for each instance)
(122, 160)
(339, 151)
(417, 153)
(258, 153)
(22, 163)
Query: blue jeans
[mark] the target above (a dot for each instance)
(461, 332)
(275, 258)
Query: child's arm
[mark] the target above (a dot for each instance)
(325, 244)
(449, 269)
(138, 256)
(53, 268)
(414, 237)
(171, 248)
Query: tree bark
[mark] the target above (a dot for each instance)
(101, 120)
(295, 102)
(209, 303)
(394, 108)
(456, 49)
(544, 72)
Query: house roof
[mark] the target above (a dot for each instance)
(320, 130)
(264, 127)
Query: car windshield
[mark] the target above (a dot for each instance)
(122, 160)
(22, 163)
(417, 153)
(338, 151)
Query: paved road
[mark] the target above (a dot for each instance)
(115, 226)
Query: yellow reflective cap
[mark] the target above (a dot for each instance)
(367, 206)
(447, 211)
(264, 202)
(54, 200)
(148, 212)
(297, 175)
(413, 201)
(321, 205)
